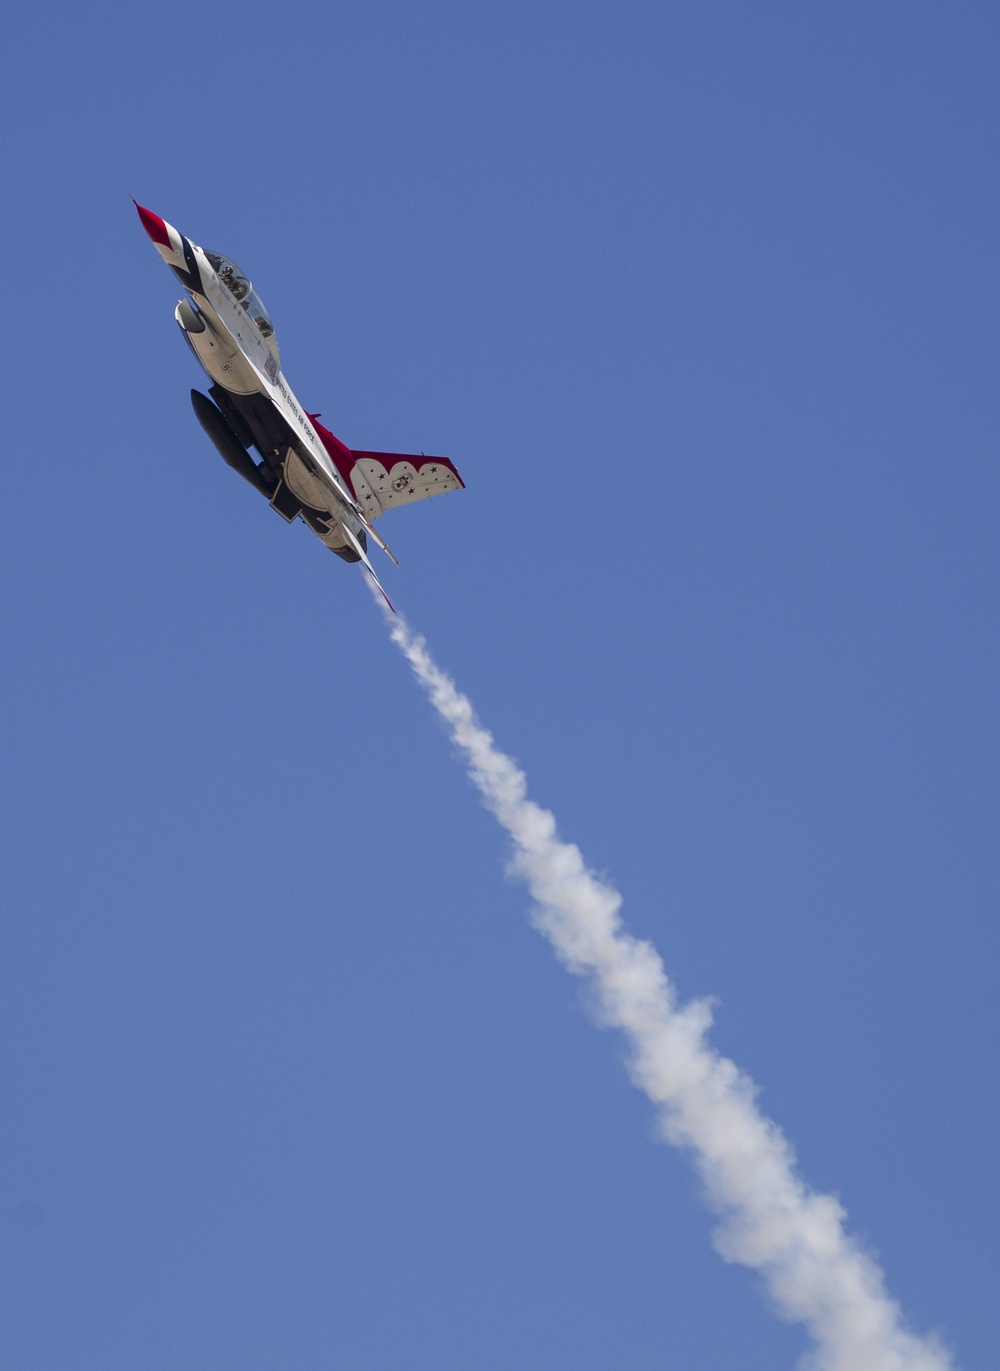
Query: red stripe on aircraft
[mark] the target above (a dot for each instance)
(342, 456)
(416, 460)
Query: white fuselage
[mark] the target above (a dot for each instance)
(235, 354)
(302, 473)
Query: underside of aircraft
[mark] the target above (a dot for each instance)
(300, 467)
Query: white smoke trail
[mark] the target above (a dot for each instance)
(771, 1221)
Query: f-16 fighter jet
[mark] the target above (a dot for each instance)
(304, 472)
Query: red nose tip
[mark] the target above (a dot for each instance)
(153, 225)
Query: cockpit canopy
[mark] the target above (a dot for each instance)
(239, 287)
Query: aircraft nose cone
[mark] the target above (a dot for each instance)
(153, 224)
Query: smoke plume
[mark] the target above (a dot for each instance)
(770, 1221)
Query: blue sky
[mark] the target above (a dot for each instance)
(702, 301)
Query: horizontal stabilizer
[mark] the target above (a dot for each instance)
(359, 549)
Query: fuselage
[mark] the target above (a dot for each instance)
(230, 333)
(304, 471)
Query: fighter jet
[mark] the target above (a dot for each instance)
(304, 472)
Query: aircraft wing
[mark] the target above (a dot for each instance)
(385, 480)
